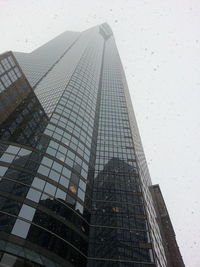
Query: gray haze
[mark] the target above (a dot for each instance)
(159, 44)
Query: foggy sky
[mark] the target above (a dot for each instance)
(159, 44)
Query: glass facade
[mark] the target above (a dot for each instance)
(73, 191)
(119, 229)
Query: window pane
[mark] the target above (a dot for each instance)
(81, 194)
(82, 185)
(13, 149)
(34, 195)
(50, 189)
(27, 212)
(61, 194)
(63, 181)
(21, 228)
(54, 176)
(56, 166)
(3, 170)
(38, 183)
(7, 158)
(66, 172)
(43, 170)
(47, 161)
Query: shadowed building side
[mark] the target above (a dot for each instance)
(172, 252)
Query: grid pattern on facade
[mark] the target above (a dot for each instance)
(51, 203)
(37, 63)
(119, 227)
(74, 184)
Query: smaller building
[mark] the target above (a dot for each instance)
(14, 87)
(172, 252)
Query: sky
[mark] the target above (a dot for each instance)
(159, 45)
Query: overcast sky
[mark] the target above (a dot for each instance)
(159, 44)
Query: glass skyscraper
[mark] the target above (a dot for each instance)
(74, 184)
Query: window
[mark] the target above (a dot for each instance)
(50, 189)
(6, 81)
(63, 181)
(3, 170)
(6, 64)
(13, 149)
(116, 209)
(1, 69)
(43, 170)
(17, 72)
(47, 161)
(82, 185)
(81, 194)
(54, 175)
(21, 228)
(56, 166)
(27, 212)
(61, 194)
(7, 157)
(74, 179)
(12, 76)
(11, 61)
(73, 188)
(34, 195)
(38, 183)
(1, 87)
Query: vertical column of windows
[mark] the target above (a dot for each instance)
(71, 124)
(118, 210)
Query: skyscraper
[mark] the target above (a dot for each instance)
(75, 187)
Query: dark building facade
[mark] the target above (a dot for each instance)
(74, 184)
(172, 252)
